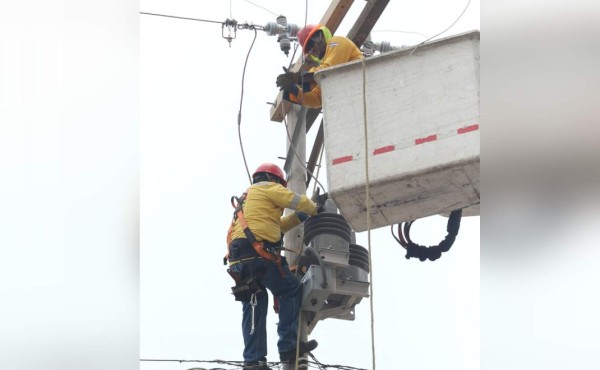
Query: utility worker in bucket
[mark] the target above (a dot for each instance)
(254, 244)
(324, 50)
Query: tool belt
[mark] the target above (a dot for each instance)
(243, 250)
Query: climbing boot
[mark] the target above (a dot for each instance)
(305, 347)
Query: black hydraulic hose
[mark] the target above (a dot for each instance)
(434, 252)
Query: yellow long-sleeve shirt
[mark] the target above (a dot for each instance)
(339, 50)
(263, 209)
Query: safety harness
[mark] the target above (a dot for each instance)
(246, 289)
(265, 250)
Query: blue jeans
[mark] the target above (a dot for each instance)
(289, 291)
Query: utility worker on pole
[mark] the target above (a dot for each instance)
(254, 243)
(323, 49)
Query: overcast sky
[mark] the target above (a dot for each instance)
(426, 314)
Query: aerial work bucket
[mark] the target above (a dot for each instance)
(422, 131)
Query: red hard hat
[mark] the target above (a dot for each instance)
(273, 169)
(305, 34)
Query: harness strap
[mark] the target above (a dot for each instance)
(259, 246)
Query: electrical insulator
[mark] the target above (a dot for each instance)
(293, 30)
(272, 29)
(282, 21)
(284, 32)
(369, 47)
(283, 39)
(284, 44)
(384, 46)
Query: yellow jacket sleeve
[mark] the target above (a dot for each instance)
(311, 99)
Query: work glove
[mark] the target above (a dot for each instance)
(319, 199)
(321, 202)
(287, 80)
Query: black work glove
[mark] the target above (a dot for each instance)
(287, 80)
(319, 199)
(321, 202)
(322, 198)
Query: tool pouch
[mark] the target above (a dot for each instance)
(244, 289)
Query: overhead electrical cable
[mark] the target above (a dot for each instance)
(293, 55)
(229, 22)
(411, 32)
(240, 111)
(262, 7)
(287, 131)
(453, 23)
(321, 151)
(189, 19)
(305, 12)
(240, 364)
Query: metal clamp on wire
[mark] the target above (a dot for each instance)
(434, 252)
(229, 26)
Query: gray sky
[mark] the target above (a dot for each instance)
(426, 314)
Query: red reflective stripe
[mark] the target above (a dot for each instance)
(434, 137)
(347, 158)
(463, 130)
(426, 139)
(384, 149)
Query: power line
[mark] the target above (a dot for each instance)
(412, 32)
(453, 23)
(228, 22)
(287, 131)
(239, 364)
(262, 7)
(240, 111)
(174, 16)
(305, 12)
